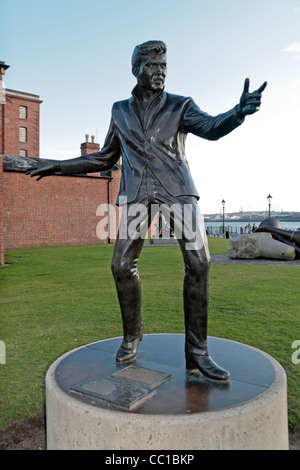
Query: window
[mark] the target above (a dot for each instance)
(23, 112)
(23, 153)
(22, 134)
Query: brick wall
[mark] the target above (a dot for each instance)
(2, 99)
(1, 124)
(1, 213)
(55, 211)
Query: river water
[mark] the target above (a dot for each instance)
(235, 227)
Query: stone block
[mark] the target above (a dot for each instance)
(259, 245)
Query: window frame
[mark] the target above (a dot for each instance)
(25, 110)
(25, 134)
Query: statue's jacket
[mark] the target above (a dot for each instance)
(154, 137)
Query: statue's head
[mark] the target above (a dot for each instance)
(149, 65)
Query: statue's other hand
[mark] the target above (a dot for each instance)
(250, 102)
(44, 170)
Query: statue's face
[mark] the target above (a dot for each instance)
(151, 73)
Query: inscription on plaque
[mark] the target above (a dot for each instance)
(140, 375)
(121, 394)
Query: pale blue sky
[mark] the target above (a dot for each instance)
(76, 55)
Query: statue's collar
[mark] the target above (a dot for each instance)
(136, 93)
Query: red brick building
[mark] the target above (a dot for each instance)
(55, 211)
(20, 121)
(3, 68)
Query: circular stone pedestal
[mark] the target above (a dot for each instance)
(92, 403)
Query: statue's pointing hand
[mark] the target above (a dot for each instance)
(250, 102)
(44, 170)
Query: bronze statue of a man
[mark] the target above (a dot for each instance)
(148, 131)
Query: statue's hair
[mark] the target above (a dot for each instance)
(147, 48)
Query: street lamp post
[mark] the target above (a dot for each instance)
(223, 204)
(269, 199)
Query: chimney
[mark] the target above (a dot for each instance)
(3, 67)
(89, 147)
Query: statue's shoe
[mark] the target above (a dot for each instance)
(127, 351)
(207, 367)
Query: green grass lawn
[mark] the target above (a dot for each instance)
(56, 299)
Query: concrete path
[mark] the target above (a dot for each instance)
(224, 259)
